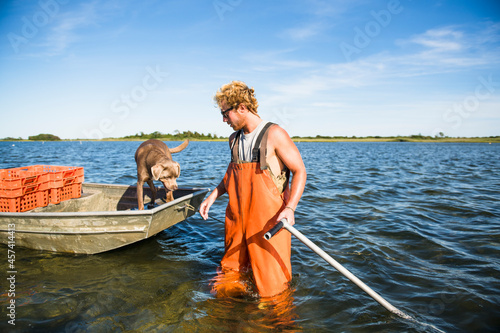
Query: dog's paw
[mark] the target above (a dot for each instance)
(151, 205)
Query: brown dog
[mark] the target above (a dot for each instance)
(154, 162)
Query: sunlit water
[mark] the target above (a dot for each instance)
(418, 223)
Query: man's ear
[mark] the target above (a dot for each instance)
(156, 171)
(241, 108)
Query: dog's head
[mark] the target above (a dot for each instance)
(167, 173)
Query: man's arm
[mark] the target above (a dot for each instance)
(208, 202)
(287, 152)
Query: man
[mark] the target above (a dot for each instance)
(257, 183)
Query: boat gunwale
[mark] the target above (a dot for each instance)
(120, 213)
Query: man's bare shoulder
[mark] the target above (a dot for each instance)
(278, 134)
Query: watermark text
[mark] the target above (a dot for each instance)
(30, 26)
(11, 274)
(121, 107)
(363, 36)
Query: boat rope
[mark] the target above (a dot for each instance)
(216, 219)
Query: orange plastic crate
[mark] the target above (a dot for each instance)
(16, 178)
(65, 181)
(23, 190)
(29, 187)
(71, 191)
(26, 202)
(55, 172)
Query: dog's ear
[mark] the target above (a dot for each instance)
(156, 171)
(178, 169)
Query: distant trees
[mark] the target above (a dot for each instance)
(180, 136)
(9, 138)
(176, 136)
(44, 137)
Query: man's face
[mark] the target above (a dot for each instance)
(231, 116)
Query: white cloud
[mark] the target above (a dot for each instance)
(63, 32)
(275, 61)
(71, 25)
(303, 33)
(383, 84)
(439, 51)
(328, 8)
(441, 40)
(453, 47)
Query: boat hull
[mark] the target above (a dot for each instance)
(103, 219)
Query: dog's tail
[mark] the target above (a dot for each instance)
(180, 147)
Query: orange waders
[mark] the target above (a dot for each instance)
(254, 205)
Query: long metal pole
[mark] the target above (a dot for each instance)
(336, 265)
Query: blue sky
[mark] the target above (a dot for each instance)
(93, 69)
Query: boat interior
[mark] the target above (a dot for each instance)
(99, 198)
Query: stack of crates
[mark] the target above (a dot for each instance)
(26, 188)
(65, 182)
(22, 189)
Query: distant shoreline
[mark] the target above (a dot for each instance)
(302, 139)
(404, 139)
(195, 136)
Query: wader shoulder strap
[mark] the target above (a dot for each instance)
(281, 180)
(259, 151)
(235, 147)
(256, 151)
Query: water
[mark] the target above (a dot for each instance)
(417, 222)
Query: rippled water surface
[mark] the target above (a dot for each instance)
(418, 223)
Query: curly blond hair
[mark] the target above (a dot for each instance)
(235, 93)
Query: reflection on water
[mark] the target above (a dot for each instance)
(418, 223)
(245, 314)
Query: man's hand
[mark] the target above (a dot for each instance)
(205, 206)
(208, 202)
(288, 214)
